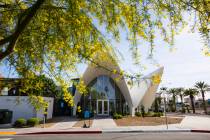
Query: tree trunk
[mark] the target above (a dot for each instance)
(204, 102)
(181, 97)
(174, 102)
(13, 38)
(192, 103)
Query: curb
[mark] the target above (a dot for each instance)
(112, 131)
(144, 131)
(200, 131)
(62, 132)
(8, 133)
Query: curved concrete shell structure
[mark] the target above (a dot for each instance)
(140, 93)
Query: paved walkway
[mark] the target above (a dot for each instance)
(66, 123)
(108, 125)
(196, 122)
(104, 123)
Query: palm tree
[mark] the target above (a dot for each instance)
(162, 91)
(180, 93)
(173, 92)
(191, 92)
(202, 87)
(157, 103)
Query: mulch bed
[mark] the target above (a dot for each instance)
(80, 123)
(146, 121)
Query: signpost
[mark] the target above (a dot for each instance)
(86, 115)
(165, 109)
(209, 101)
(44, 121)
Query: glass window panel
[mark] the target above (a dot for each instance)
(104, 88)
(99, 107)
(106, 106)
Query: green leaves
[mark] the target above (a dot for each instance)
(62, 34)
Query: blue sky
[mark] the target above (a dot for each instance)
(183, 66)
(184, 63)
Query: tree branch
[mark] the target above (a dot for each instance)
(12, 39)
(5, 5)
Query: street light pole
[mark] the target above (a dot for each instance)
(165, 111)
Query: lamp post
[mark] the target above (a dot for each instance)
(90, 107)
(166, 119)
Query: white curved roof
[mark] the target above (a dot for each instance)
(140, 93)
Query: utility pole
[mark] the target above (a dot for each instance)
(165, 110)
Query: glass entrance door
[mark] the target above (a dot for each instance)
(103, 107)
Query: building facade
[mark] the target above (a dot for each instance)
(107, 95)
(19, 103)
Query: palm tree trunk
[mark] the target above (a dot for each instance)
(181, 97)
(174, 102)
(192, 103)
(204, 103)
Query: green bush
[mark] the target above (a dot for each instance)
(21, 122)
(126, 114)
(142, 111)
(117, 116)
(33, 121)
(148, 114)
(138, 114)
(157, 114)
(183, 110)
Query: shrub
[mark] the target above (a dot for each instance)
(148, 114)
(33, 121)
(138, 114)
(183, 110)
(142, 111)
(21, 122)
(157, 114)
(126, 114)
(117, 116)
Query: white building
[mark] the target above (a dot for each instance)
(108, 95)
(21, 107)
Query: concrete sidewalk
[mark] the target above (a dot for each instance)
(196, 122)
(104, 123)
(129, 129)
(66, 123)
(107, 125)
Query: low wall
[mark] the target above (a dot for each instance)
(22, 108)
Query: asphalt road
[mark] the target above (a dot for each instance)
(115, 136)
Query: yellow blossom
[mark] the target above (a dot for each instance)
(156, 79)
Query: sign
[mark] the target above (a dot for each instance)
(87, 114)
(209, 101)
(62, 104)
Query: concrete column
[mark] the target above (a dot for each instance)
(74, 110)
(132, 111)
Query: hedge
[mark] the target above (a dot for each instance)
(21, 122)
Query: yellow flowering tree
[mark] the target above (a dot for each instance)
(51, 37)
(38, 103)
(81, 87)
(156, 79)
(79, 110)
